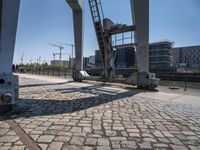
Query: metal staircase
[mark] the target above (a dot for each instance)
(103, 42)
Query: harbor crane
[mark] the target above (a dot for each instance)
(9, 12)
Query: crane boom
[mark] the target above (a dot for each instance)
(60, 48)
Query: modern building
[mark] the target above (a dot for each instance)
(85, 62)
(125, 57)
(160, 55)
(92, 59)
(64, 63)
(187, 56)
(98, 60)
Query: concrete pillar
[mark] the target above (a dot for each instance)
(77, 8)
(9, 10)
(78, 34)
(140, 15)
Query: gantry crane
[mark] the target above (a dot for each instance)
(9, 10)
(104, 29)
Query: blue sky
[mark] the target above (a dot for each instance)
(50, 21)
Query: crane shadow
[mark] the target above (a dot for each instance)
(26, 108)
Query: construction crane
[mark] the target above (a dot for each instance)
(72, 45)
(60, 48)
(54, 55)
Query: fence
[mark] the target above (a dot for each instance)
(59, 72)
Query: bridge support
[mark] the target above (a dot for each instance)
(77, 8)
(9, 11)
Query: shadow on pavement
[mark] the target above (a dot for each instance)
(44, 107)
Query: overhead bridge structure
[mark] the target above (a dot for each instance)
(9, 10)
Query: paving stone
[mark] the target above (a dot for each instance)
(160, 145)
(34, 137)
(45, 138)
(87, 148)
(176, 141)
(133, 130)
(76, 129)
(167, 134)
(18, 148)
(55, 146)
(115, 144)
(194, 147)
(18, 143)
(158, 134)
(129, 144)
(5, 147)
(7, 138)
(3, 131)
(77, 141)
(103, 142)
(134, 135)
(178, 147)
(145, 145)
(87, 130)
(149, 140)
(71, 147)
(103, 148)
(188, 133)
(91, 141)
(118, 138)
(111, 133)
(62, 139)
(118, 128)
(43, 146)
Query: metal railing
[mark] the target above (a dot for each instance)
(58, 72)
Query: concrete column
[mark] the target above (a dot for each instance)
(78, 35)
(140, 15)
(77, 8)
(9, 10)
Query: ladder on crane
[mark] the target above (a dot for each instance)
(103, 42)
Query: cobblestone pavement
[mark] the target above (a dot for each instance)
(87, 116)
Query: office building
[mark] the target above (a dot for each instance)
(187, 57)
(160, 55)
(125, 57)
(98, 60)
